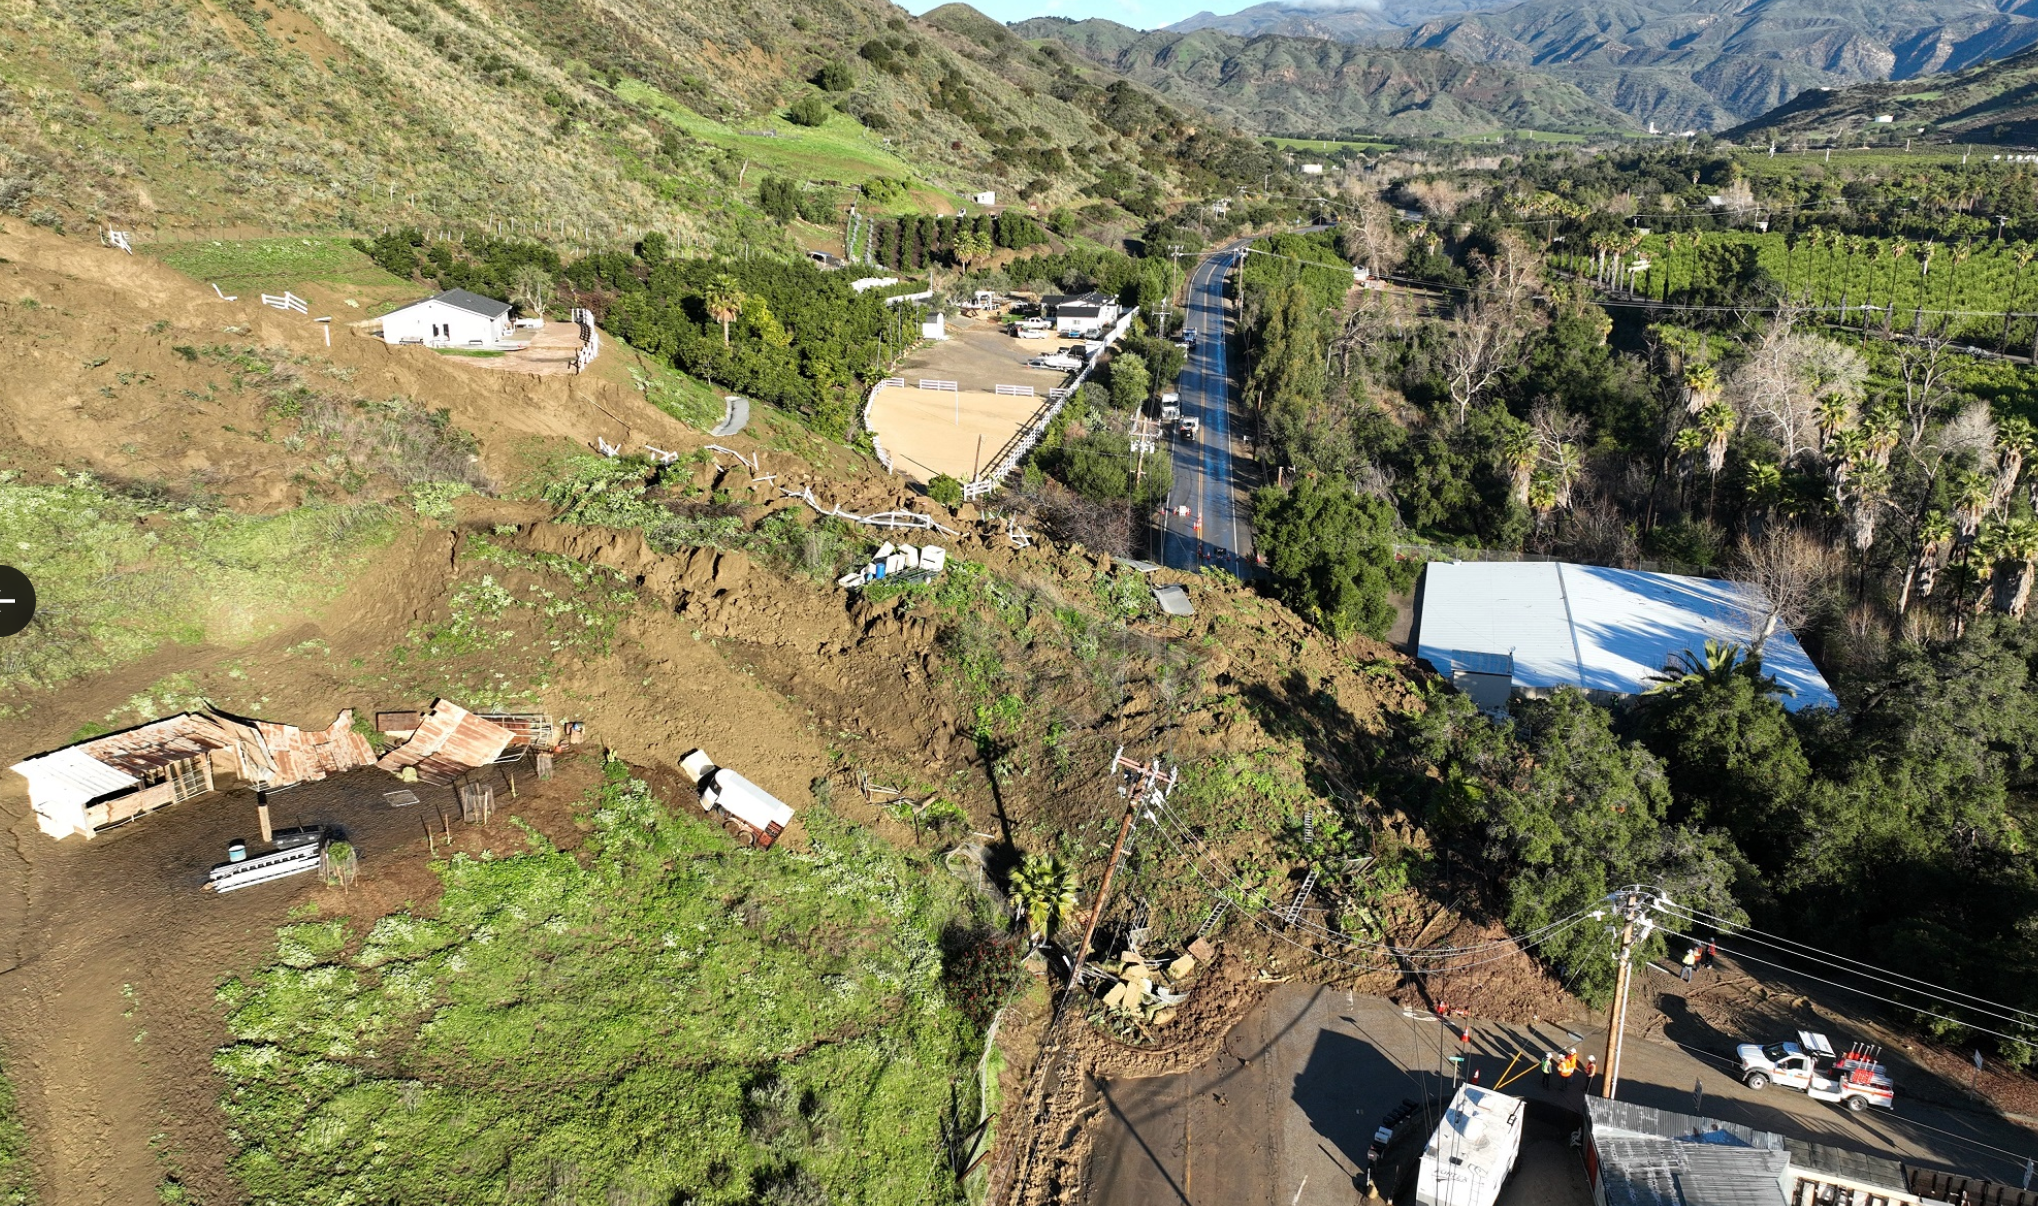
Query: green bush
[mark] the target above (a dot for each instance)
(17, 1185)
(945, 490)
(810, 111)
(835, 76)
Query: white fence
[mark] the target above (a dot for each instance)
(926, 383)
(923, 295)
(883, 458)
(120, 239)
(1030, 438)
(288, 301)
(590, 339)
(1014, 391)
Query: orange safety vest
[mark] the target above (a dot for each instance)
(1568, 1066)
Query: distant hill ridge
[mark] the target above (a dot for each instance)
(1704, 64)
(1987, 103)
(1287, 85)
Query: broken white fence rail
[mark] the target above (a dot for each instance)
(882, 519)
(752, 463)
(231, 877)
(120, 239)
(663, 457)
(288, 301)
(225, 296)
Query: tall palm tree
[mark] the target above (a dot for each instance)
(1716, 422)
(1701, 386)
(724, 301)
(1935, 542)
(2015, 544)
(1973, 495)
(2015, 441)
(1518, 457)
(1719, 664)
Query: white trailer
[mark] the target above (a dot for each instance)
(1473, 1150)
(756, 809)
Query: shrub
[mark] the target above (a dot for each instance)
(835, 76)
(809, 111)
(945, 490)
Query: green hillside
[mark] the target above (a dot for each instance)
(1990, 103)
(1304, 86)
(586, 121)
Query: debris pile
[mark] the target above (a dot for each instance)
(898, 563)
(1147, 991)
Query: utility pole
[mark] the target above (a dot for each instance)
(1632, 904)
(1140, 785)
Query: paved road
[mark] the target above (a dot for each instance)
(1206, 470)
(1282, 1116)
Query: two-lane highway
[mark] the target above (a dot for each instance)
(1206, 471)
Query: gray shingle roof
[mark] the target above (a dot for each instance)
(473, 303)
(1668, 1172)
(1625, 1119)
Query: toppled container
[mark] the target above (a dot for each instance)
(764, 815)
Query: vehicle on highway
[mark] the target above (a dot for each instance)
(1171, 407)
(1191, 429)
(1855, 1079)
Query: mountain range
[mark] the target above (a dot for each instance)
(1704, 64)
(1306, 86)
(1992, 102)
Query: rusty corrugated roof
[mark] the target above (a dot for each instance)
(303, 755)
(397, 722)
(449, 741)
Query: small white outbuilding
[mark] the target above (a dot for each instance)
(453, 319)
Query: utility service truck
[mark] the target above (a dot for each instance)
(1855, 1079)
(1473, 1151)
(759, 812)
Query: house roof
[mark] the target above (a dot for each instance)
(1858, 1167)
(84, 772)
(1592, 627)
(1650, 1157)
(460, 299)
(1078, 305)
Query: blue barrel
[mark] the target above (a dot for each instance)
(236, 852)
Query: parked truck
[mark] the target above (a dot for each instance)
(762, 814)
(1191, 429)
(1171, 407)
(1855, 1079)
(1475, 1147)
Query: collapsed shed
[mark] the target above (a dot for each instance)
(106, 781)
(448, 742)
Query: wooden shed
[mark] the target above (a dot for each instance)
(107, 781)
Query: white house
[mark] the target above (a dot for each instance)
(1312, 169)
(1081, 314)
(985, 198)
(453, 319)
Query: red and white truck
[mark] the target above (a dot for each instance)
(1854, 1079)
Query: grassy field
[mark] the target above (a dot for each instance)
(675, 1018)
(841, 150)
(256, 264)
(1330, 145)
(118, 575)
(16, 1182)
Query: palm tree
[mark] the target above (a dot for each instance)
(1518, 458)
(1831, 413)
(1718, 665)
(1935, 542)
(1043, 892)
(2015, 441)
(2015, 541)
(1701, 385)
(971, 248)
(1881, 432)
(1973, 495)
(724, 300)
(1716, 422)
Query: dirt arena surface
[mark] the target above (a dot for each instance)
(921, 428)
(936, 431)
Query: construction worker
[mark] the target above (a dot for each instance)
(1711, 959)
(1567, 1067)
(1591, 1070)
(1690, 962)
(1549, 1058)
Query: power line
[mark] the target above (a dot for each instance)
(1524, 943)
(1945, 995)
(1747, 958)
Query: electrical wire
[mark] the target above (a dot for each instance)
(1384, 948)
(1997, 1008)
(1254, 915)
(1788, 970)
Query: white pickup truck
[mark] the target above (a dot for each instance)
(1854, 1080)
(1191, 429)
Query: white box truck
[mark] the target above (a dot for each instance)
(764, 815)
(1473, 1150)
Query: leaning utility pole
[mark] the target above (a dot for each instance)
(1632, 903)
(1150, 791)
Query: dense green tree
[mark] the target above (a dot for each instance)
(1330, 553)
(810, 110)
(779, 197)
(1131, 383)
